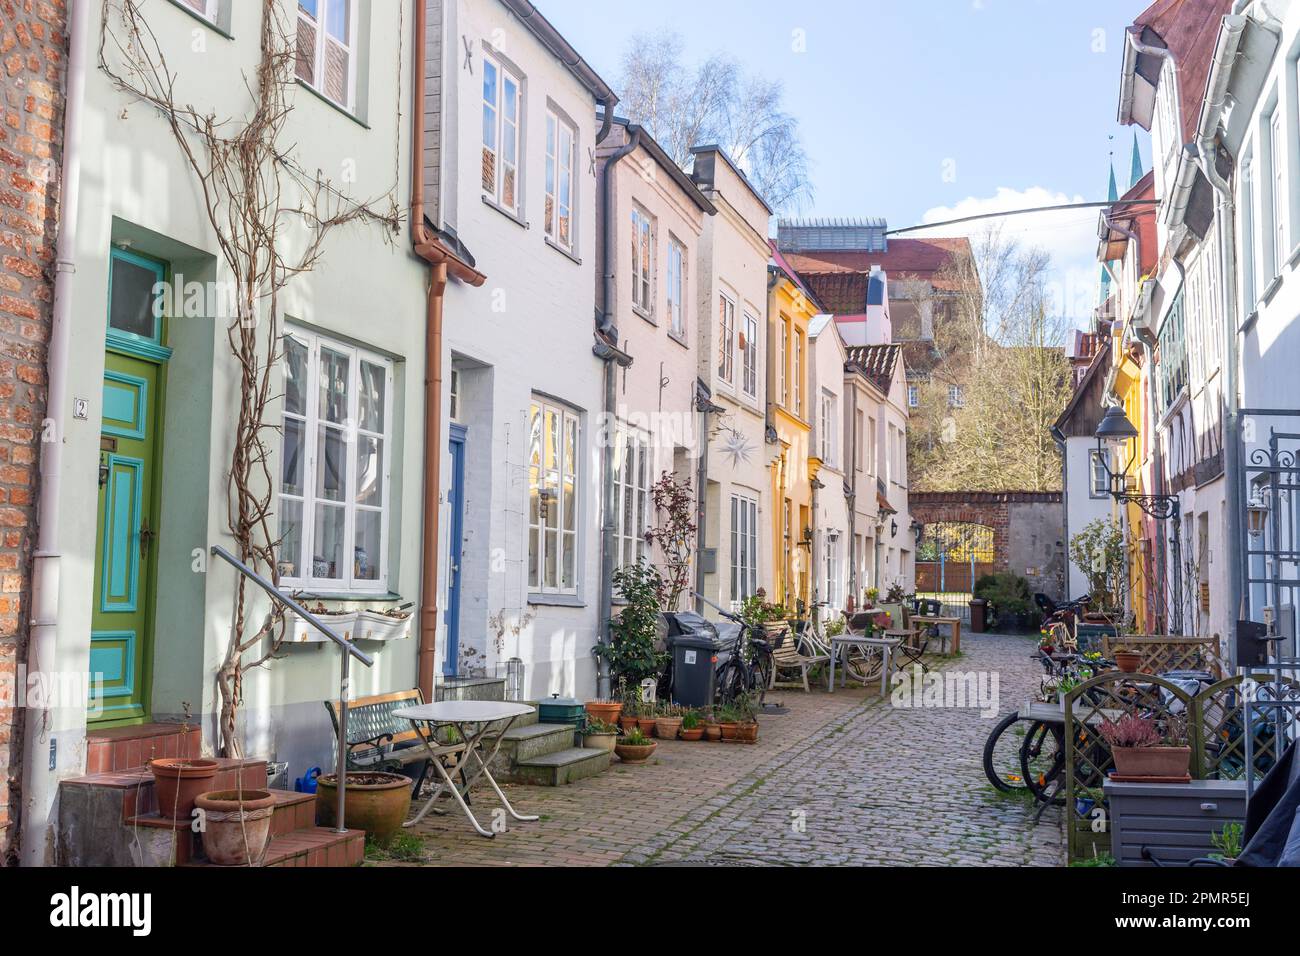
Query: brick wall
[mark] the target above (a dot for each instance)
(32, 48)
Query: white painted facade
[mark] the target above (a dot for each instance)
(833, 444)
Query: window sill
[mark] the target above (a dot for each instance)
(1270, 290)
(1249, 322)
(211, 25)
(561, 250)
(342, 110)
(512, 216)
(556, 600)
(1292, 259)
(680, 340)
(364, 597)
(648, 316)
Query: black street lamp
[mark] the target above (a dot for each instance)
(1115, 429)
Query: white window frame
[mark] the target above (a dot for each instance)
(749, 356)
(827, 443)
(726, 339)
(209, 11)
(348, 582)
(833, 584)
(797, 375)
(643, 263)
(557, 126)
(1249, 257)
(323, 26)
(632, 495)
(567, 471)
(871, 446)
(1278, 187)
(744, 547)
(782, 359)
(497, 114)
(1098, 477)
(677, 288)
(956, 398)
(913, 396)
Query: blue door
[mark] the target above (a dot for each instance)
(455, 547)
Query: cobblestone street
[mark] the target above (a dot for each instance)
(870, 783)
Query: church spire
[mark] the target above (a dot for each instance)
(1135, 172)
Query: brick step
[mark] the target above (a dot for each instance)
(123, 748)
(292, 811)
(313, 847)
(562, 767)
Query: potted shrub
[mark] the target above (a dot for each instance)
(647, 717)
(177, 781)
(635, 747)
(692, 725)
(632, 653)
(746, 719)
(600, 735)
(728, 720)
(606, 711)
(236, 825)
(667, 722)
(376, 802)
(1142, 751)
(1128, 660)
(712, 729)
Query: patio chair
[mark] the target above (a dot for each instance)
(787, 656)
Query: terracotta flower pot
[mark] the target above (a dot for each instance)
(628, 723)
(632, 753)
(1128, 661)
(177, 781)
(728, 730)
(695, 733)
(666, 727)
(236, 825)
(607, 711)
(713, 731)
(1152, 761)
(647, 725)
(747, 733)
(600, 741)
(376, 802)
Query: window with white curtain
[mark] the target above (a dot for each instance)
(334, 475)
(325, 51)
(744, 547)
(553, 483)
(676, 289)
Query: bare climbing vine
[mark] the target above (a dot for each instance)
(261, 204)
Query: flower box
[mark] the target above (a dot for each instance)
(299, 631)
(373, 626)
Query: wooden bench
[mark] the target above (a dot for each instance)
(379, 741)
(786, 656)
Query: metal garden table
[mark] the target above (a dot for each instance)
(842, 642)
(472, 719)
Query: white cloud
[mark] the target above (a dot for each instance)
(1069, 236)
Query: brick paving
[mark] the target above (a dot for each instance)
(870, 784)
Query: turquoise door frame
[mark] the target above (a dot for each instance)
(455, 547)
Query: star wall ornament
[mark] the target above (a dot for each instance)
(736, 448)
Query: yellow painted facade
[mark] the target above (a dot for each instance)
(793, 467)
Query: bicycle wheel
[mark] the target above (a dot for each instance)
(864, 664)
(1042, 760)
(734, 678)
(1002, 753)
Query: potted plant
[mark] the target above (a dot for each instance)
(236, 825)
(600, 734)
(647, 717)
(631, 653)
(712, 729)
(606, 711)
(376, 802)
(728, 720)
(1128, 660)
(1141, 750)
(177, 781)
(1067, 684)
(1227, 843)
(634, 747)
(692, 725)
(746, 719)
(631, 706)
(872, 595)
(668, 721)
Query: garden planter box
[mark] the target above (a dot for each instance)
(298, 631)
(1164, 763)
(373, 626)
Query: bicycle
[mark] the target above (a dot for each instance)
(749, 666)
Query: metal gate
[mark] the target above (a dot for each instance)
(952, 556)
(1270, 551)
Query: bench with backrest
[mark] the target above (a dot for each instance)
(378, 740)
(791, 654)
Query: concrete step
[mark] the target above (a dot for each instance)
(562, 767)
(534, 740)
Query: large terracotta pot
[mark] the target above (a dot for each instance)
(605, 710)
(695, 733)
(631, 753)
(177, 781)
(236, 825)
(713, 731)
(376, 802)
(1128, 661)
(1152, 761)
(728, 730)
(666, 727)
(647, 725)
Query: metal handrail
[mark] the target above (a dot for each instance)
(349, 650)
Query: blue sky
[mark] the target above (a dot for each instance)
(919, 110)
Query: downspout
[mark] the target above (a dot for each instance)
(613, 358)
(42, 649)
(444, 264)
(1234, 492)
(1059, 438)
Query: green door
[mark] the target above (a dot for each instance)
(121, 639)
